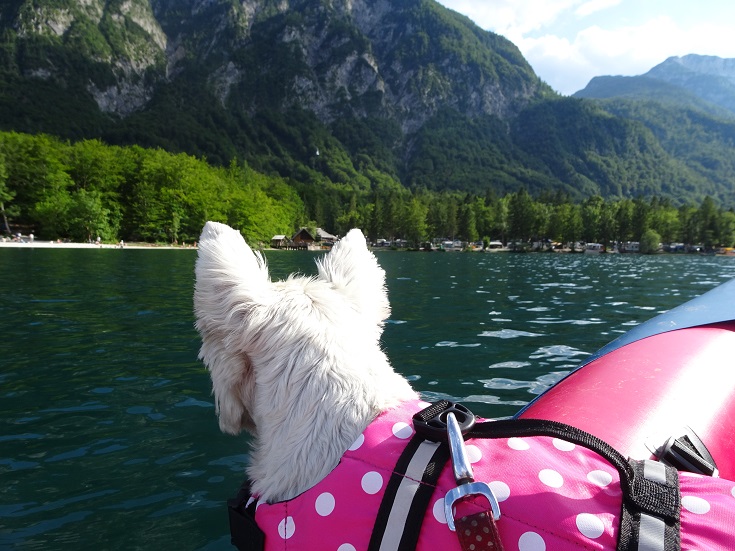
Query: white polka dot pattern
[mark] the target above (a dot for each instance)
(552, 494)
(357, 443)
(518, 444)
(600, 478)
(402, 430)
(474, 454)
(551, 478)
(695, 505)
(438, 511)
(371, 482)
(325, 504)
(531, 541)
(286, 528)
(563, 445)
(590, 526)
(500, 489)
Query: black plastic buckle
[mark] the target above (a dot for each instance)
(688, 453)
(431, 423)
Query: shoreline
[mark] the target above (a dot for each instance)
(39, 244)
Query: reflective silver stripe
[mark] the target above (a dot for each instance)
(651, 532)
(404, 495)
(654, 471)
(651, 529)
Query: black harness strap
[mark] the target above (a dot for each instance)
(244, 532)
(520, 428)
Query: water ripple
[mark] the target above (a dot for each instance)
(558, 353)
(537, 386)
(452, 344)
(21, 511)
(546, 321)
(25, 436)
(508, 334)
(144, 501)
(509, 364)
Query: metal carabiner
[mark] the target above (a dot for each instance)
(463, 475)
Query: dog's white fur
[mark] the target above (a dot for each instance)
(298, 363)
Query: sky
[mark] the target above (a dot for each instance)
(568, 42)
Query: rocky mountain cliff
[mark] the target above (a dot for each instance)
(115, 51)
(402, 60)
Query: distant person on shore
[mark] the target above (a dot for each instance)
(122, 244)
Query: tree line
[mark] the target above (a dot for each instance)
(87, 189)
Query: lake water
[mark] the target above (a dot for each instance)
(108, 437)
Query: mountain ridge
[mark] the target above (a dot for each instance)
(404, 92)
(703, 82)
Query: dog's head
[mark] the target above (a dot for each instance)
(272, 345)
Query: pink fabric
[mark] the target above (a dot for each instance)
(552, 494)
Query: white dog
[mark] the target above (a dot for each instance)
(288, 356)
(298, 363)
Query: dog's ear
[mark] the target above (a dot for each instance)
(225, 257)
(354, 271)
(231, 281)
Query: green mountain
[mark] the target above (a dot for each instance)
(647, 88)
(354, 94)
(706, 83)
(688, 104)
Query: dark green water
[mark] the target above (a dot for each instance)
(108, 438)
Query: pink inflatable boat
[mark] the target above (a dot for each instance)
(664, 390)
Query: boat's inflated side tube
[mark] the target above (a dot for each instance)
(666, 389)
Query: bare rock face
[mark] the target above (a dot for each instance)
(123, 98)
(367, 58)
(401, 60)
(123, 40)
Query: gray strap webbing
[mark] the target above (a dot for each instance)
(654, 521)
(407, 495)
(404, 496)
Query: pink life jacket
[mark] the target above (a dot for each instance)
(553, 494)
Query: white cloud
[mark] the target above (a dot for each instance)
(568, 42)
(594, 6)
(511, 17)
(569, 66)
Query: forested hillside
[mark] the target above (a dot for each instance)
(85, 190)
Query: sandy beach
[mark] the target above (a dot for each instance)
(40, 244)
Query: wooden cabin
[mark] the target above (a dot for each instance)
(279, 242)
